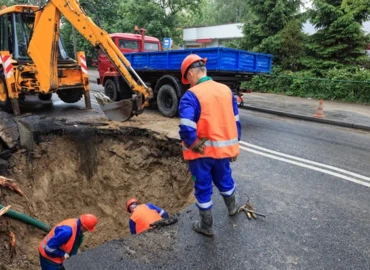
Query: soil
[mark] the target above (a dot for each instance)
(91, 172)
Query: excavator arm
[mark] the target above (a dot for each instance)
(46, 34)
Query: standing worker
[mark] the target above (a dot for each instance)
(64, 241)
(143, 215)
(210, 132)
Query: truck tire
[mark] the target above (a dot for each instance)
(5, 105)
(70, 95)
(110, 90)
(167, 100)
(45, 96)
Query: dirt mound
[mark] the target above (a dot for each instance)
(91, 170)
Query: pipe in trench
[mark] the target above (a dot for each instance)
(27, 219)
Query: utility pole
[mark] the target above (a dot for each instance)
(40, 4)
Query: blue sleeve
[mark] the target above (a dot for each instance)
(160, 211)
(237, 117)
(132, 227)
(189, 110)
(61, 236)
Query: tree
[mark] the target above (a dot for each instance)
(106, 15)
(339, 40)
(161, 18)
(275, 27)
(215, 12)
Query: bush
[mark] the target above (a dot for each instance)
(352, 84)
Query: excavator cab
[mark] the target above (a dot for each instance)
(33, 59)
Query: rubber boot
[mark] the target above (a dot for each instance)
(231, 204)
(204, 226)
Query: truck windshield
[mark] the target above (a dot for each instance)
(151, 46)
(128, 44)
(23, 29)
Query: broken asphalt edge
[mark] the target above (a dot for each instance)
(307, 118)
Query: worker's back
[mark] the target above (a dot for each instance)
(143, 216)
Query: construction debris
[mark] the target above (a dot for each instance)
(10, 184)
(4, 210)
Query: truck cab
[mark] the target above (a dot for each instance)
(127, 43)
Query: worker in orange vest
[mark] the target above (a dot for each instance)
(143, 215)
(210, 132)
(64, 241)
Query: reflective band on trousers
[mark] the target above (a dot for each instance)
(187, 122)
(204, 205)
(228, 193)
(218, 143)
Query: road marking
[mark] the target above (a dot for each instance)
(345, 177)
(307, 161)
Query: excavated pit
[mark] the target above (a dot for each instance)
(73, 169)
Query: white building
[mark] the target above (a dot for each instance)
(214, 36)
(211, 36)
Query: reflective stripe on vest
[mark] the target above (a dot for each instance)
(143, 216)
(67, 247)
(217, 122)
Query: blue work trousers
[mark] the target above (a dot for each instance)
(207, 170)
(46, 265)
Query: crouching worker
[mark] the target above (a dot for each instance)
(64, 241)
(143, 215)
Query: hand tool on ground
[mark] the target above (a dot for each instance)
(249, 211)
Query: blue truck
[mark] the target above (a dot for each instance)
(161, 71)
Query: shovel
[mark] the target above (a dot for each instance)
(119, 111)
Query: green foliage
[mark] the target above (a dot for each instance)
(350, 84)
(160, 18)
(275, 28)
(213, 12)
(340, 40)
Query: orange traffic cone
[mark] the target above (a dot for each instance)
(320, 111)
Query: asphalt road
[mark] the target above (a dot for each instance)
(312, 182)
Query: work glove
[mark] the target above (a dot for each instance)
(233, 159)
(198, 147)
(66, 256)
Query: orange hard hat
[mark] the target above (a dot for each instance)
(187, 62)
(129, 202)
(89, 221)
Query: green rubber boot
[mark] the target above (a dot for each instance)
(231, 204)
(204, 226)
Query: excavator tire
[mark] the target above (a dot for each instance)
(5, 105)
(70, 95)
(45, 96)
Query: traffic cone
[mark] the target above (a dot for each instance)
(320, 111)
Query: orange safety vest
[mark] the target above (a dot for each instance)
(67, 247)
(217, 122)
(143, 216)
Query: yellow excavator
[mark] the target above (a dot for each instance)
(33, 60)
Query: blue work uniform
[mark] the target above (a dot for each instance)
(205, 170)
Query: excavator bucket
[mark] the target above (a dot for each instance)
(116, 111)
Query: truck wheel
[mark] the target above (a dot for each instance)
(110, 89)
(5, 103)
(45, 96)
(167, 100)
(70, 95)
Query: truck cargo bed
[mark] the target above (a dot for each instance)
(222, 60)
